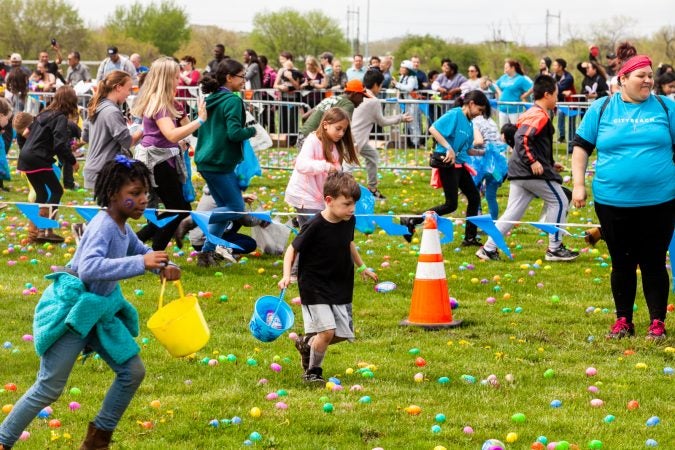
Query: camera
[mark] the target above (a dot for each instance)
(53, 42)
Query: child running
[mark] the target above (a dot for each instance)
(84, 308)
(327, 256)
(323, 151)
(533, 173)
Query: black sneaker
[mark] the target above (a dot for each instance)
(472, 242)
(408, 222)
(621, 329)
(377, 194)
(314, 376)
(486, 255)
(302, 345)
(561, 254)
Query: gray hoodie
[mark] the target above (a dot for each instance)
(108, 136)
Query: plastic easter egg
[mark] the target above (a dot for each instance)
(255, 412)
(75, 391)
(511, 437)
(440, 418)
(55, 423)
(356, 388)
(365, 399)
(444, 380)
(420, 362)
(493, 444)
(597, 403)
(435, 429)
(74, 406)
(418, 377)
(609, 418)
(438, 447)
(6, 409)
(275, 367)
(255, 436)
(556, 404)
(537, 446)
(653, 421)
(454, 304)
(549, 373)
(591, 372)
(632, 405)
(518, 418)
(413, 410)
(593, 389)
(10, 387)
(467, 430)
(414, 351)
(214, 423)
(651, 443)
(272, 396)
(24, 436)
(595, 444)
(385, 286)
(281, 405)
(328, 407)
(44, 413)
(668, 371)
(236, 420)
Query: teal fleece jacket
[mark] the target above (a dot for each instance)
(221, 137)
(67, 306)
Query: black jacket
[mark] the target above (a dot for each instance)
(534, 142)
(49, 137)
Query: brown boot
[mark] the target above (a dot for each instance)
(96, 439)
(48, 235)
(592, 236)
(32, 232)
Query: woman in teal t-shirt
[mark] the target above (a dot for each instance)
(453, 133)
(513, 86)
(633, 188)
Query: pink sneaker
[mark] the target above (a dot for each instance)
(621, 328)
(657, 330)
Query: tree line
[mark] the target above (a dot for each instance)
(154, 29)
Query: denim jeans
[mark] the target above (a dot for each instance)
(55, 367)
(224, 188)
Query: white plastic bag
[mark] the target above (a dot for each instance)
(261, 140)
(272, 239)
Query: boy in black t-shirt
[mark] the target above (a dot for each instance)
(326, 273)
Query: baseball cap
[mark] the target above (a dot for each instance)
(356, 86)
(15, 57)
(407, 64)
(112, 50)
(611, 55)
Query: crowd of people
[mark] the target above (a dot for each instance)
(632, 128)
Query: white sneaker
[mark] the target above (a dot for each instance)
(226, 254)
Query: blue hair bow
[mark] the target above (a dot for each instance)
(121, 159)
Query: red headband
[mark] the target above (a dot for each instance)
(634, 63)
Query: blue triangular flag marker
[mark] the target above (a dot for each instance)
(550, 229)
(389, 226)
(201, 218)
(446, 227)
(87, 213)
(151, 215)
(486, 224)
(32, 211)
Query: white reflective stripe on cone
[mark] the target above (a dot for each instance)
(430, 271)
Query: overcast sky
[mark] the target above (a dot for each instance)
(523, 21)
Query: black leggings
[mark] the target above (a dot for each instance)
(453, 179)
(170, 192)
(47, 187)
(635, 237)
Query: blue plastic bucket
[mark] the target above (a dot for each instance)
(258, 324)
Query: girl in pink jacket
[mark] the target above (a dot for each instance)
(322, 152)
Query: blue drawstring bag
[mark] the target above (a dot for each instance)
(248, 168)
(494, 161)
(189, 193)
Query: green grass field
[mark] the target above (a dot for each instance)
(552, 331)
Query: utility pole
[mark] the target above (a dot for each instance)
(553, 16)
(367, 53)
(355, 41)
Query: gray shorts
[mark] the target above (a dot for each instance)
(318, 318)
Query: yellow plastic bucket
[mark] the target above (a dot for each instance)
(179, 326)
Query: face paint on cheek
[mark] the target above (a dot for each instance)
(129, 203)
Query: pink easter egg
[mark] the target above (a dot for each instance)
(591, 372)
(275, 367)
(280, 405)
(296, 301)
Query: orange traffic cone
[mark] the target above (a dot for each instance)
(430, 306)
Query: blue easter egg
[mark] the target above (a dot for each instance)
(653, 421)
(651, 443)
(556, 404)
